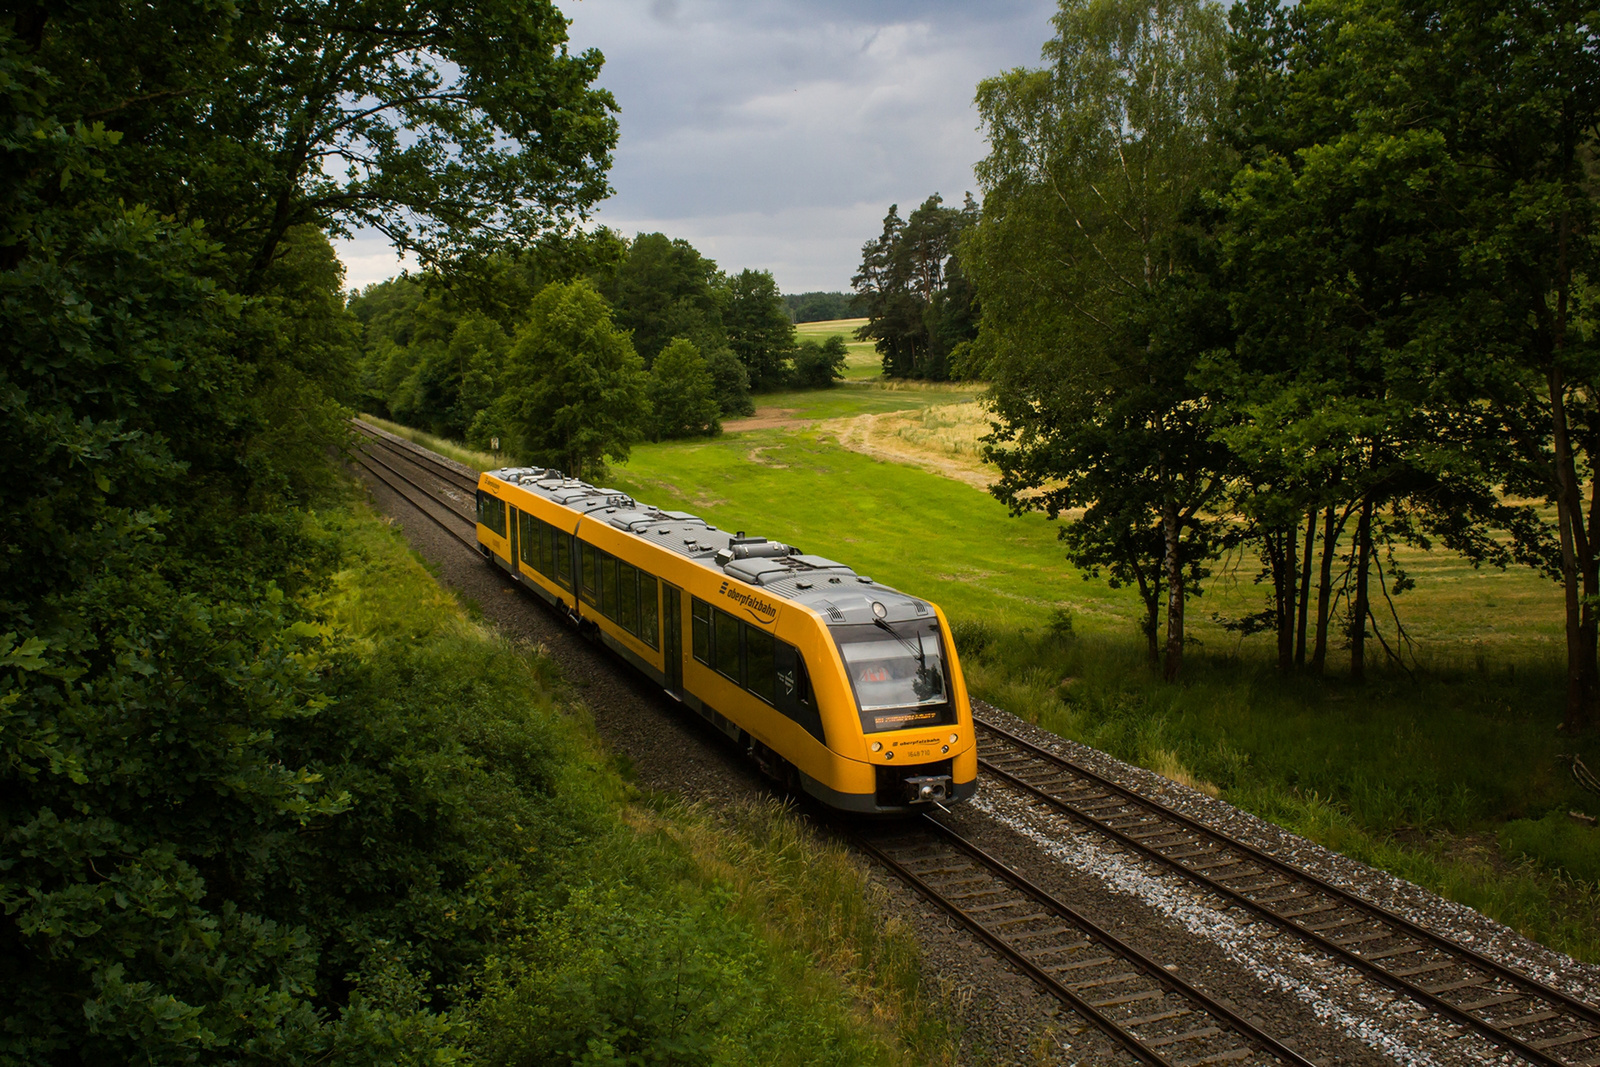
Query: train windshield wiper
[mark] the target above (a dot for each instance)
(916, 650)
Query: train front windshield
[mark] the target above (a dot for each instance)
(898, 674)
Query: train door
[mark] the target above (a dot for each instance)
(672, 608)
(511, 542)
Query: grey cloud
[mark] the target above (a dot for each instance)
(776, 134)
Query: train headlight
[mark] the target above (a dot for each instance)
(877, 746)
(953, 738)
(879, 610)
(888, 755)
(945, 749)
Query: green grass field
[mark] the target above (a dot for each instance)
(1447, 771)
(956, 544)
(871, 397)
(863, 363)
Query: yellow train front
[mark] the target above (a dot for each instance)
(846, 689)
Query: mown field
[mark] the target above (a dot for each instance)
(1446, 770)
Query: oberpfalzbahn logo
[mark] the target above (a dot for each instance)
(758, 609)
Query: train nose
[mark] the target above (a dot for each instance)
(928, 790)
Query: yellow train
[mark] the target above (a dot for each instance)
(834, 684)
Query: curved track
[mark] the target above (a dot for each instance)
(1049, 942)
(1540, 1024)
(1155, 1015)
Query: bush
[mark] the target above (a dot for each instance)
(819, 366)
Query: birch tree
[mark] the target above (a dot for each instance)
(1094, 306)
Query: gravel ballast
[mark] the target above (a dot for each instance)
(1325, 1009)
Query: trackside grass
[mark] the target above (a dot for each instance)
(1447, 772)
(626, 927)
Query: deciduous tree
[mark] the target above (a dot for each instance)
(578, 390)
(758, 328)
(1093, 313)
(683, 395)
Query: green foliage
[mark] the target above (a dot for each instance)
(818, 307)
(1557, 841)
(456, 137)
(577, 391)
(758, 328)
(436, 344)
(919, 304)
(1092, 326)
(682, 393)
(666, 289)
(732, 383)
(819, 366)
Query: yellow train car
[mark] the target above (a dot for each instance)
(834, 684)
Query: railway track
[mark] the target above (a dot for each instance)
(1538, 1023)
(1156, 1016)
(380, 456)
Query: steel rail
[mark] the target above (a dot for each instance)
(361, 457)
(1034, 896)
(1188, 839)
(414, 452)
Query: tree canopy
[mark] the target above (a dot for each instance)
(917, 299)
(206, 845)
(578, 391)
(683, 394)
(1094, 306)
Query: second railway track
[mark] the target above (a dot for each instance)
(1538, 1023)
(1157, 1017)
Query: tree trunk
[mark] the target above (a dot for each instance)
(1577, 558)
(1151, 595)
(1280, 557)
(1359, 612)
(1579, 678)
(1305, 588)
(1172, 528)
(1330, 538)
(1286, 601)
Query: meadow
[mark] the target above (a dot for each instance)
(1446, 769)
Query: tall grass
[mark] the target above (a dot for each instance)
(633, 928)
(445, 446)
(1450, 776)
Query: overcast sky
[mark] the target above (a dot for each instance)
(776, 134)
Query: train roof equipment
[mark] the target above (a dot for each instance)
(832, 589)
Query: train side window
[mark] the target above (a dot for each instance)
(760, 670)
(546, 557)
(649, 608)
(589, 579)
(492, 512)
(528, 539)
(628, 597)
(564, 558)
(725, 645)
(701, 625)
(608, 584)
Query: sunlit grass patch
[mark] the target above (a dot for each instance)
(445, 446)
